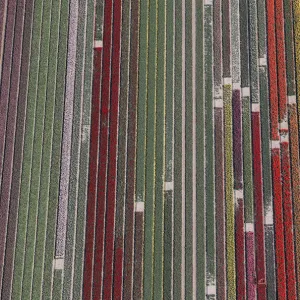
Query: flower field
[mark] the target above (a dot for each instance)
(149, 149)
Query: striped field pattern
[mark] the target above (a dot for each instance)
(149, 149)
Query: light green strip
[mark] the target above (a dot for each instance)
(36, 178)
(253, 51)
(150, 153)
(230, 208)
(209, 149)
(57, 285)
(28, 145)
(40, 250)
(160, 152)
(56, 152)
(247, 161)
(169, 155)
(142, 101)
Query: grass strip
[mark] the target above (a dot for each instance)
(36, 180)
(40, 250)
(178, 73)
(27, 154)
(150, 153)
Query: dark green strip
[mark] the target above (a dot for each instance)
(188, 151)
(177, 261)
(247, 161)
(142, 101)
(40, 250)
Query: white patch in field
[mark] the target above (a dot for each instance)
(85, 133)
(139, 206)
(249, 227)
(239, 194)
(284, 125)
(59, 263)
(211, 290)
(245, 92)
(284, 138)
(236, 86)
(219, 103)
(269, 217)
(98, 44)
(218, 91)
(169, 185)
(292, 99)
(208, 2)
(263, 61)
(255, 107)
(275, 144)
(227, 80)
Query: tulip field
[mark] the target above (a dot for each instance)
(149, 149)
